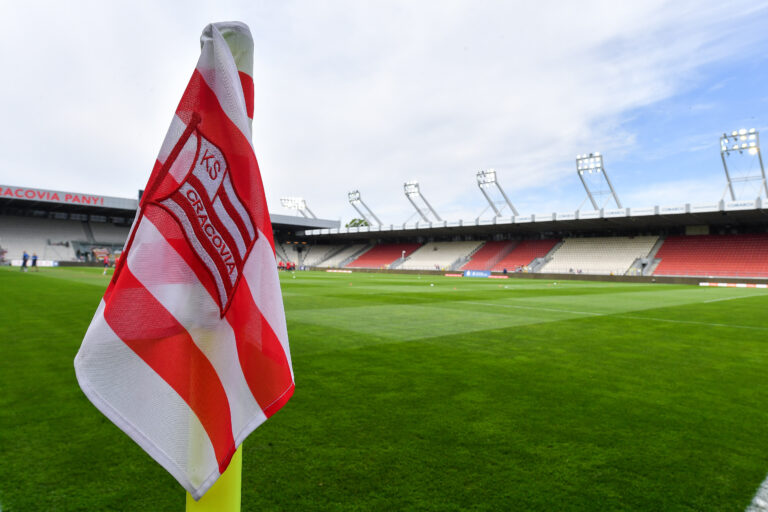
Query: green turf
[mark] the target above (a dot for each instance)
(466, 395)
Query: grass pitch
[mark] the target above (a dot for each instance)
(427, 393)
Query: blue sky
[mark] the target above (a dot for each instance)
(676, 139)
(367, 95)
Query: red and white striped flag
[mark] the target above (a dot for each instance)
(188, 350)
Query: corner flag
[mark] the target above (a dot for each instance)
(188, 350)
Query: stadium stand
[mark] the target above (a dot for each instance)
(109, 233)
(291, 253)
(440, 255)
(524, 253)
(489, 255)
(599, 255)
(316, 254)
(45, 237)
(280, 253)
(337, 260)
(383, 255)
(714, 255)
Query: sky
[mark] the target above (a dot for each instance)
(353, 95)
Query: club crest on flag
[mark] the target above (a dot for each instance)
(216, 223)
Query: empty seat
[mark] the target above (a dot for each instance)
(714, 255)
(383, 255)
(439, 255)
(50, 239)
(316, 254)
(524, 253)
(488, 255)
(106, 233)
(599, 255)
(337, 259)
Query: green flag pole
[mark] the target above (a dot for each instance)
(224, 496)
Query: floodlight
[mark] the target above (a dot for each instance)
(738, 141)
(356, 201)
(291, 202)
(413, 193)
(594, 162)
(486, 179)
(411, 187)
(298, 204)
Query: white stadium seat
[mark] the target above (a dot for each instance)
(42, 236)
(598, 255)
(106, 233)
(440, 255)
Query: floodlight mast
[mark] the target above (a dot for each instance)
(412, 192)
(593, 162)
(487, 179)
(742, 140)
(298, 204)
(354, 200)
(490, 202)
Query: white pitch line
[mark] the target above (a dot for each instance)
(760, 501)
(515, 306)
(733, 298)
(692, 322)
(619, 315)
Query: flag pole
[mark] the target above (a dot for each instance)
(224, 496)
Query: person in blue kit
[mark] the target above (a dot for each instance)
(34, 261)
(24, 260)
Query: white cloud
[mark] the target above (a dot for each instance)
(359, 95)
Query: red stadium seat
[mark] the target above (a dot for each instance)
(714, 255)
(488, 255)
(524, 253)
(383, 255)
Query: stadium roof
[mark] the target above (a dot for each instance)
(296, 223)
(28, 198)
(724, 214)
